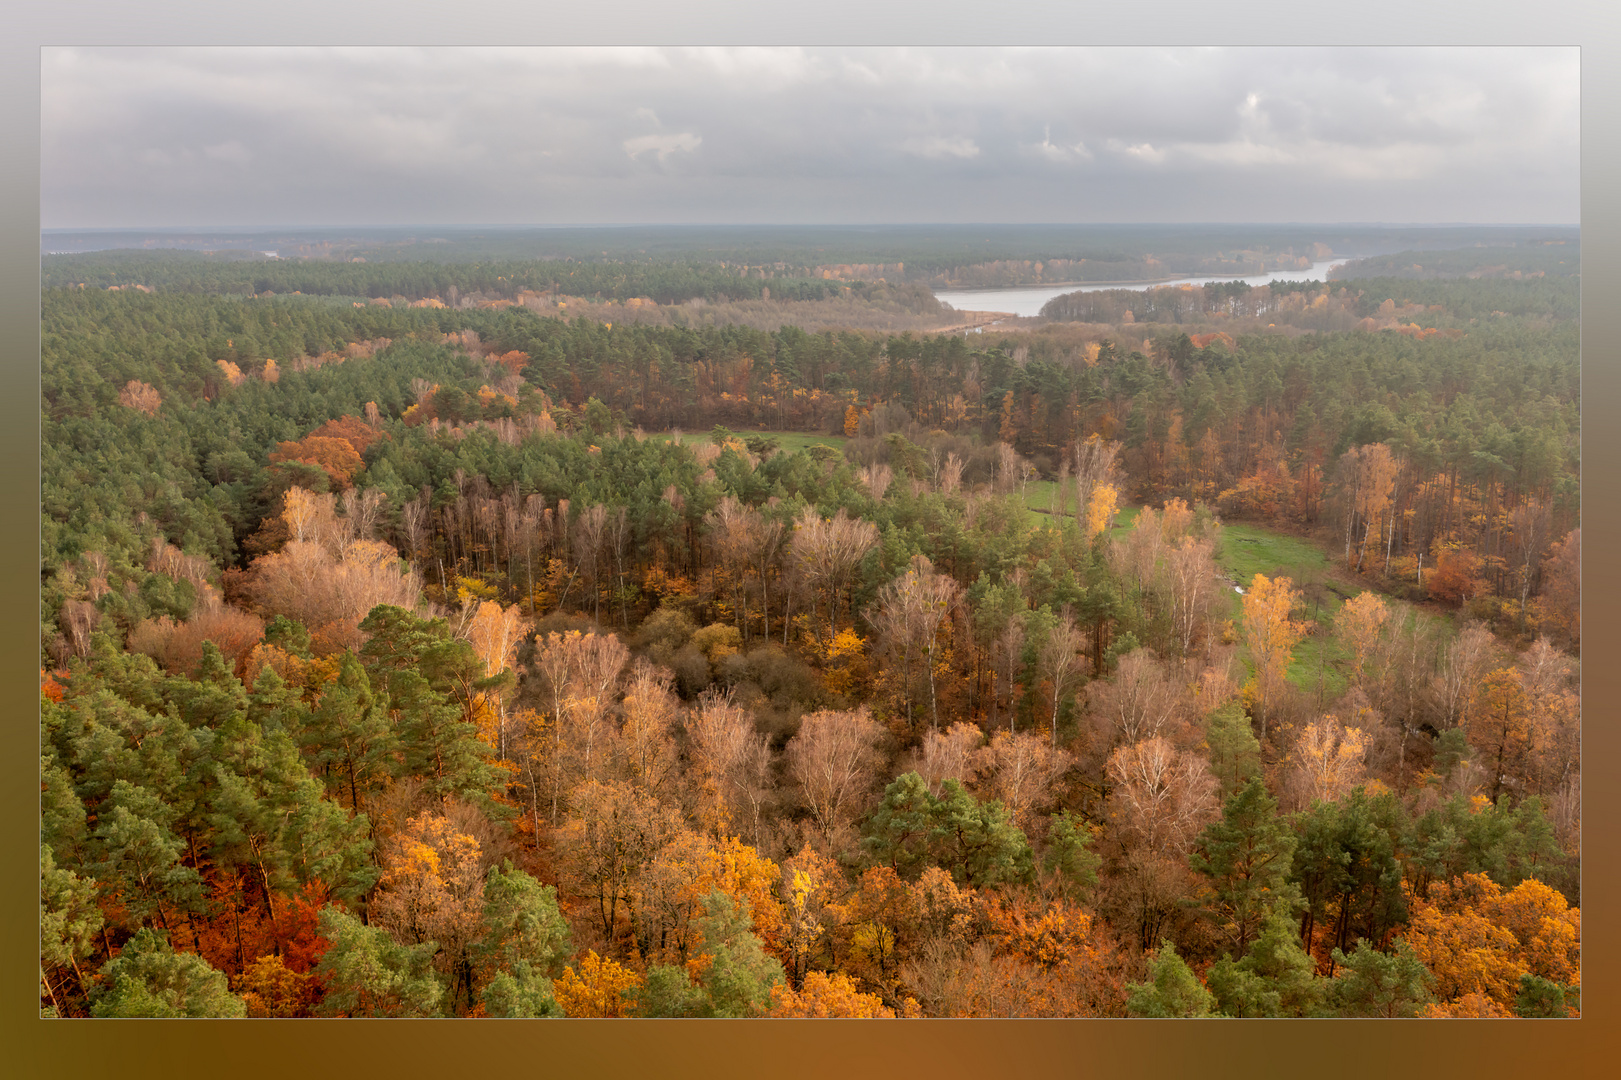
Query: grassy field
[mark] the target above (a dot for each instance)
(1038, 494)
(1319, 664)
(1247, 550)
(1316, 667)
(1038, 500)
(788, 440)
(1125, 520)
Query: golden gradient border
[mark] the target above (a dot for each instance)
(787, 1048)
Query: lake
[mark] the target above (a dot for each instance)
(1026, 300)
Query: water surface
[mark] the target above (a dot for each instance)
(1026, 300)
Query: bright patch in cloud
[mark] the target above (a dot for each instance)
(1141, 151)
(1056, 151)
(662, 146)
(232, 151)
(937, 147)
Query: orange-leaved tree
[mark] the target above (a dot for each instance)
(668, 896)
(1367, 481)
(604, 849)
(828, 995)
(140, 396)
(270, 988)
(335, 457)
(810, 883)
(1478, 940)
(432, 889)
(1501, 726)
(358, 433)
(875, 928)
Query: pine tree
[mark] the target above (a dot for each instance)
(1246, 855)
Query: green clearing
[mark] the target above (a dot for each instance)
(1038, 501)
(790, 441)
(1247, 550)
(793, 441)
(1125, 520)
(1038, 494)
(1319, 664)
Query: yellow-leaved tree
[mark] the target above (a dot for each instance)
(1328, 760)
(1360, 625)
(1100, 508)
(810, 882)
(601, 987)
(495, 634)
(1270, 635)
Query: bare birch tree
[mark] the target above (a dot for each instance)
(835, 761)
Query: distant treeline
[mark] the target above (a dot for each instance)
(234, 274)
(961, 255)
(1479, 283)
(1551, 258)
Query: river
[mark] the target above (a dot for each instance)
(1026, 300)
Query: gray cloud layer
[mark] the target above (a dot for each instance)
(151, 137)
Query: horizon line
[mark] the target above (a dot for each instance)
(824, 225)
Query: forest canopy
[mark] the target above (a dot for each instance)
(429, 637)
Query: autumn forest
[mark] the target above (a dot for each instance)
(676, 635)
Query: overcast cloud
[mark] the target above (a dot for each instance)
(220, 137)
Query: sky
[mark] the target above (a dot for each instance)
(151, 138)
